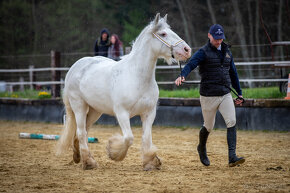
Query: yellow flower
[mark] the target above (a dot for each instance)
(43, 93)
(14, 96)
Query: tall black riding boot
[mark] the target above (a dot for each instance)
(232, 141)
(201, 148)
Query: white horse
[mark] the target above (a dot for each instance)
(97, 85)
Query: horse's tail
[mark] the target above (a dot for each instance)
(69, 131)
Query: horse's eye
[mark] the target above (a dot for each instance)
(163, 34)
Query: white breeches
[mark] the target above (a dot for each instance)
(225, 105)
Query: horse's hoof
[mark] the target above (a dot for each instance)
(155, 163)
(117, 148)
(76, 157)
(90, 164)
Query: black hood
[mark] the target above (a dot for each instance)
(105, 30)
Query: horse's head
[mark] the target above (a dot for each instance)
(166, 43)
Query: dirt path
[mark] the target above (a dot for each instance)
(28, 165)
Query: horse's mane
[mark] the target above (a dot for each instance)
(146, 34)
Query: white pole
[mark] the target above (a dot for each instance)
(31, 76)
(21, 80)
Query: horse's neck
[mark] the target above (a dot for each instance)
(143, 63)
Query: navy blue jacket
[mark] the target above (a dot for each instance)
(101, 47)
(199, 58)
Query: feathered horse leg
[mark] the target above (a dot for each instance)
(150, 158)
(118, 145)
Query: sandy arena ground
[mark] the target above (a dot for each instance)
(30, 165)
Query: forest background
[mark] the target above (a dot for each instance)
(30, 29)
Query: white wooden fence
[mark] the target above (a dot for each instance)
(31, 70)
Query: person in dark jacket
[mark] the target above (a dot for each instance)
(102, 43)
(218, 73)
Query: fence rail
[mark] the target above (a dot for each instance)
(34, 70)
(159, 82)
(162, 67)
(31, 71)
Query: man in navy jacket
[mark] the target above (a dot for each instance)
(218, 73)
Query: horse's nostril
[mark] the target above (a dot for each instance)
(186, 49)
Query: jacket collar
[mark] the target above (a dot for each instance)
(224, 46)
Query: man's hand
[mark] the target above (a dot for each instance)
(239, 100)
(179, 80)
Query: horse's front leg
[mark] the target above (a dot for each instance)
(118, 145)
(150, 159)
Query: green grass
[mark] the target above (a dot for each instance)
(263, 93)
(192, 93)
(31, 94)
(255, 93)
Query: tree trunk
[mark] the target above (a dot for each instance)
(251, 32)
(185, 24)
(211, 12)
(35, 38)
(279, 30)
(240, 29)
(241, 34)
(34, 20)
(257, 34)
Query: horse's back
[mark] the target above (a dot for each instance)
(88, 80)
(80, 66)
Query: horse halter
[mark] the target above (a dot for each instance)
(167, 44)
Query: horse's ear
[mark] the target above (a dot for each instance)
(165, 18)
(157, 18)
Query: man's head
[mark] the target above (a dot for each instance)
(216, 35)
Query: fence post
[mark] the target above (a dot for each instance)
(31, 77)
(10, 88)
(21, 80)
(127, 50)
(55, 75)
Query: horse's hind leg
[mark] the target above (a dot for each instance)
(92, 117)
(150, 159)
(81, 110)
(76, 150)
(118, 145)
